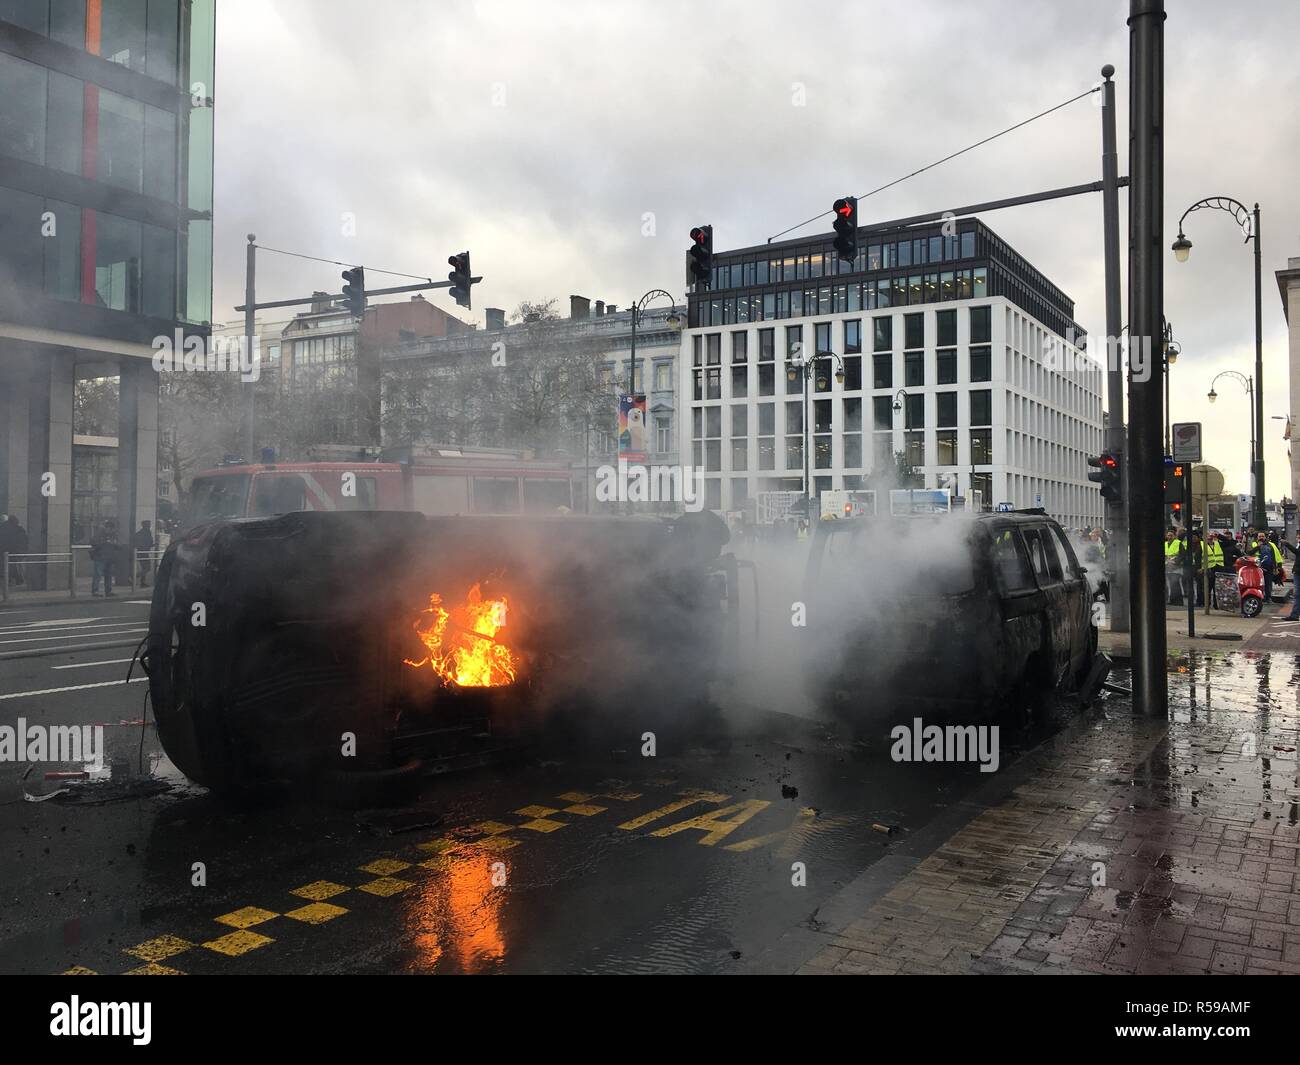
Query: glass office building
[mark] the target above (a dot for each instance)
(106, 136)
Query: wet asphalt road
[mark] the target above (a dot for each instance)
(569, 861)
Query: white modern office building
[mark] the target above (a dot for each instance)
(943, 347)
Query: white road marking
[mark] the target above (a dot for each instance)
(60, 621)
(74, 688)
(109, 622)
(87, 665)
(74, 636)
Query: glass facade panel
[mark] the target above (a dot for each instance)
(22, 109)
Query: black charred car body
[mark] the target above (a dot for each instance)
(273, 641)
(991, 632)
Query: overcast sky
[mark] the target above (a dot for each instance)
(538, 134)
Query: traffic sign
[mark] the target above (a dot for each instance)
(1187, 441)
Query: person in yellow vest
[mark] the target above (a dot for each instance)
(1173, 584)
(1214, 564)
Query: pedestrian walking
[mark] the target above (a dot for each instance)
(13, 541)
(143, 541)
(103, 552)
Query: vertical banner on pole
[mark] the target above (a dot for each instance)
(632, 428)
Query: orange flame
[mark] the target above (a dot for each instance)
(469, 655)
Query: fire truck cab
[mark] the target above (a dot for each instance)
(440, 481)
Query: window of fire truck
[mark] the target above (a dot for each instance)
(278, 493)
(546, 495)
(212, 498)
(496, 495)
(366, 497)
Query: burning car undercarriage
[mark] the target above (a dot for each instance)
(362, 649)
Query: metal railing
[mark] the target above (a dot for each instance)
(65, 569)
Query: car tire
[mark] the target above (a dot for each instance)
(361, 789)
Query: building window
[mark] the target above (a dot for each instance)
(882, 370)
(946, 327)
(945, 410)
(664, 433)
(981, 447)
(823, 336)
(913, 412)
(913, 330)
(882, 413)
(663, 376)
(852, 373)
(739, 347)
(945, 441)
(981, 407)
(945, 366)
(883, 337)
(853, 337)
(913, 369)
(981, 364)
(981, 328)
(22, 127)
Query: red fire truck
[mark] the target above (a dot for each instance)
(432, 481)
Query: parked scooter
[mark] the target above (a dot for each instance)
(1250, 585)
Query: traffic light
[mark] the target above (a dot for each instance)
(460, 278)
(1106, 474)
(354, 291)
(700, 257)
(1175, 477)
(846, 228)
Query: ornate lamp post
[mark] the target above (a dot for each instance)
(805, 368)
(1251, 395)
(1248, 220)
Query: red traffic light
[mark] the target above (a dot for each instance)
(843, 208)
(698, 235)
(1109, 461)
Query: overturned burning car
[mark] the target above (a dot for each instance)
(360, 648)
(965, 617)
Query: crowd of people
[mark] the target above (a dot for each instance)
(1219, 554)
(105, 552)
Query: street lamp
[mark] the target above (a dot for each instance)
(1170, 349)
(805, 368)
(1248, 220)
(1246, 383)
(672, 320)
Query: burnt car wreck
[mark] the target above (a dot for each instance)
(362, 649)
(968, 618)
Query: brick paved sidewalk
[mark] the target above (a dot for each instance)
(1131, 846)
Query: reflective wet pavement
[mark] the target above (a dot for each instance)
(1132, 846)
(1103, 843)
(566, 863)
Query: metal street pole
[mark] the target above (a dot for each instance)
(1189, 570)
(631, 365)
(1261, 520)
(1146, 306)
(248, 426)
(807, 446)
(1117, 557)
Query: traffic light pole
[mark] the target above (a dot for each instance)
(1117, 513)
(248, 418)
(338, 296)
(1189, 569)
(1145, 307)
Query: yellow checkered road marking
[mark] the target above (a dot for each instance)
(384, 866)
(318, 890)
(385, 886)
(160, 948)
(536, 811)
(237, 943)
(247, 917)
(316, 912)
(153, 969)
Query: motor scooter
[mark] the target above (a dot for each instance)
(1250, 585)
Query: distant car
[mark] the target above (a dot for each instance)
(969, 617)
